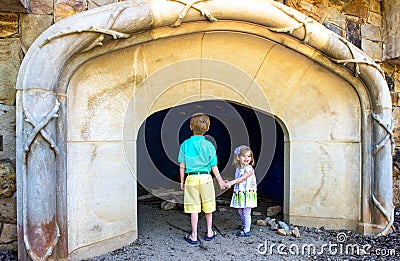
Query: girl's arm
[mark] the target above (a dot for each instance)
(245, 175)
(182, 167)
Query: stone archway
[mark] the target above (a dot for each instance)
(76, 104)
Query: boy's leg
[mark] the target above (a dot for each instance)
(194, 219)
(210, 232)
(246, 219)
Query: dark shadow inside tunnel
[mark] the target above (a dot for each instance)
(232, 124)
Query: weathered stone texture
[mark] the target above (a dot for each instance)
(358, 8)
(371, 32)
(31, 27)
(8, 24)
(375, 19)
(8, 210)
(393, 78)
(8, 233)
(65, 8)
(7, 131)
(372, 48)
(10, 60)
(97, 3)
(391, 34)
(375, 6)
(7, 180)
(41, 6)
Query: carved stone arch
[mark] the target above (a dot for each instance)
(42, 100)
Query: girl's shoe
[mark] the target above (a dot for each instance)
(241, 233)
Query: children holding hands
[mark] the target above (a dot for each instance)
(197, 159)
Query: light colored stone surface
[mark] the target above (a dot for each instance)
(7, 130)
(101, 193)
(31, 27)
(10, 60)
(99, 112)
(322, 117)
(328, 173)
(372, 48)
(273, 81)
(371, 32)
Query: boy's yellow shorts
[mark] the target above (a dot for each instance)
(199, 194)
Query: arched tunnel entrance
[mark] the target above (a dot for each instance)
(232, 124)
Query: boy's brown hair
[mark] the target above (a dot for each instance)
(200, 123)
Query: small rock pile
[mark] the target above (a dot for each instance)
(280, 227)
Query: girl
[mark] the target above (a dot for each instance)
(244, 196)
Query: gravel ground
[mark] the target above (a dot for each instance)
(161, 238)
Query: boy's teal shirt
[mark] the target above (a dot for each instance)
(198, 154)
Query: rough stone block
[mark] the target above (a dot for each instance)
(10, 60)
(371, 32)
(31, 27)
(7, 131)
(375, 19)
(372, 49)
(41, 6)
(65, 8)
(8, 210)
(335, 17)
(8, 24)
(7, 180)
(357, 8)
(8, 234)
(337, 4)
(375, 6)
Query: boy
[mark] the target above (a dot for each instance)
(197, 157)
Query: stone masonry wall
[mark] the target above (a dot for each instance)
(360, 21)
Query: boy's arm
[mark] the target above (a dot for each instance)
(221, 182)
(182, 167)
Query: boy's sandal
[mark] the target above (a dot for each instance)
(207, 238)
(187, 239)
(241, 233)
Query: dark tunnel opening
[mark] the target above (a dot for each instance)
(232, 124)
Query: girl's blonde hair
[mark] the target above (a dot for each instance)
(239, 151)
